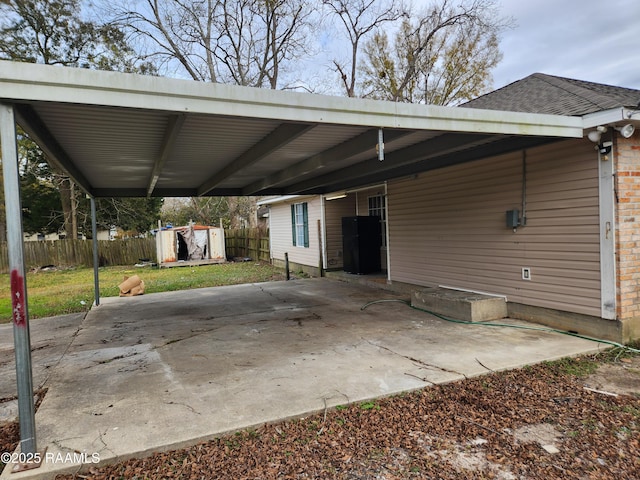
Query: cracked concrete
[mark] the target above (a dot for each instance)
(420, 364)
(156, 372)
(50, 340)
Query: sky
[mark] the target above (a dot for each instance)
(593, 40)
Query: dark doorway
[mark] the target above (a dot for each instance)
(183, 250)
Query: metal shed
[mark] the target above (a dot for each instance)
(190, 245)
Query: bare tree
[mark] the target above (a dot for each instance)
(242, 42)
(360, 18)
(55, 32)
(442, 56)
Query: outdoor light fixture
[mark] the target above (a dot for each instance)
(626, 131)
(336, 196)
(605, 149)
(596, 135)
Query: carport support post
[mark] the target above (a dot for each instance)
(15, 246)
(94, 233)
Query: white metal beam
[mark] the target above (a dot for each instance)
(33, 82)
(437, 146)
(361, 143)
(606, 204)
(174, 126)
(38, 131)
(282, 135)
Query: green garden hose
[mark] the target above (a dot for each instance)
(492, 324)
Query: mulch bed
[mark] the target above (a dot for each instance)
(533, 423)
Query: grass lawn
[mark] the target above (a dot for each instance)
(58, 292)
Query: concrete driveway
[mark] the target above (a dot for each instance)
(162, 371)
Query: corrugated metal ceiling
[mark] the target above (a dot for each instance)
(184, 138)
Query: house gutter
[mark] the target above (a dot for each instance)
(610, 117)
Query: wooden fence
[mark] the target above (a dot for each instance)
(248, 242)
(253, 243)
(80, 252)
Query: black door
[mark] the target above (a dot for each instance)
(361, 242)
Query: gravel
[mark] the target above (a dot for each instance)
(538, 422)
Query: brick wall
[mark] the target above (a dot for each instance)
(627, 184)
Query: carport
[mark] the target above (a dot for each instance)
(125, 135)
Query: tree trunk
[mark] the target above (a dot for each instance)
(234, 216)
(253, 212)
(66, 198)
(74, 211)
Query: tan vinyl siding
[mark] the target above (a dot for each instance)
(448, 227)
(281, 235)
(334, 211)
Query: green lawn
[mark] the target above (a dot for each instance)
(68, 291)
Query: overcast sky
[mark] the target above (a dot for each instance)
(594, 40)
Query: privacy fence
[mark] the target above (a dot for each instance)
(243, 243)
(248, 243)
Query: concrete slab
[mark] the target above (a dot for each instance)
(167, 370)
(50, 338)
(461, 305)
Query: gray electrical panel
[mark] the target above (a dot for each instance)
(513, 218)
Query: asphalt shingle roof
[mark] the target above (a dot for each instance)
(542, 93)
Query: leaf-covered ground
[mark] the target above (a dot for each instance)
(537, 422)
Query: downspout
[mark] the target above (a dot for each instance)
(524, 188)
(386, 232)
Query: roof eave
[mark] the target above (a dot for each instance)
(608, 117)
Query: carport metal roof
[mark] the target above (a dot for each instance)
(128, 135)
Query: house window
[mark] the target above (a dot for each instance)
(300, 224)
(378, 208)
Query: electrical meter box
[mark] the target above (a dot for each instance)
(513, 218)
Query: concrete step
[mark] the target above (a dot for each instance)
(459, 305)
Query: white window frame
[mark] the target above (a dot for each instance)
(377, 207)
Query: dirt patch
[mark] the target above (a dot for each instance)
(621, 377)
